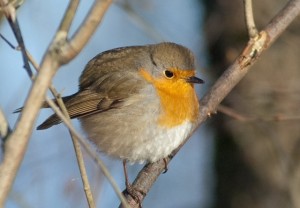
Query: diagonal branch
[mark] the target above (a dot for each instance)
(59, 52)
(78, 152)
(88, 149)
(69, 17)
(10, 13)
(83, 34)
(222, 88)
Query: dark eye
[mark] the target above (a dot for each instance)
(169, 74)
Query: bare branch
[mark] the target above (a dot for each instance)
(83, 173)
(252, 31)
(8, 42)
(10, 13)
(232, 113)
(84, 32)
(87, 147)
(79, 156)
(73, 136)
(243, 118)
(69, 16)
(221, 88)
(16, 144)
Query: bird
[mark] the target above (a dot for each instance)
(136, 103)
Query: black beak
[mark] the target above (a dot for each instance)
(194, 80)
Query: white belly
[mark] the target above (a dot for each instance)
(163, 142)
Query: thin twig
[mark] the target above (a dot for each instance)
(64, 29)
(252, 31)
(8, 42)
(232, 113)
(76, 144)
(87, 147)
(68, 17)
(83, 173)
(238, 116)
(220, 90)
(89, 25)
(10, 14)
(78, 152)
(79, 156)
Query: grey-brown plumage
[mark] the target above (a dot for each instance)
(119, 109)
(110, 77)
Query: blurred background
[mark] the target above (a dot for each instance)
(245, 156)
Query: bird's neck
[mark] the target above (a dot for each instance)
(179, 103)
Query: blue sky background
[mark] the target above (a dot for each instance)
(49, 175)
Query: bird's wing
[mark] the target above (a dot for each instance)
(107, 92)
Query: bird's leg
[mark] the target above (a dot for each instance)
(128, 185)
(166, 165)
(131, 190)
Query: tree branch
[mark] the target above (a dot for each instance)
(252, 31)
(244, 118)
(56, 55)
(10, 14)
(78, 152)
(222, 88)
(83, 34)
(87, 147)
(69, 16)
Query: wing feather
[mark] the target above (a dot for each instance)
(99, 97)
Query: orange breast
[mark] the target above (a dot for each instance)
(178, 99)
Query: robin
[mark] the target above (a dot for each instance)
(136, 103)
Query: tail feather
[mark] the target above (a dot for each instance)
(52, 120)
(45, 104)
(78, 105)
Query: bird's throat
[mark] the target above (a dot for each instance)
(179, 102)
